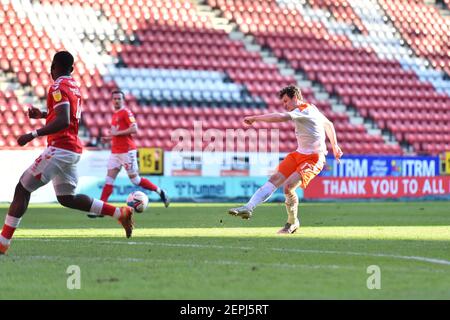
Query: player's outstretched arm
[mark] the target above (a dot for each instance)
(270, 117)
(331, 134)
(61, 122)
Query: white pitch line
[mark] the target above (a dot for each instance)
(45, 257)
(195, 245)
(384, 255)
(190, 261)
(188, 245)
(279, 265)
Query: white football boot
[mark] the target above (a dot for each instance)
(244, 212)
(290, 228)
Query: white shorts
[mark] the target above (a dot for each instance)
(56, 165)
(127, 160)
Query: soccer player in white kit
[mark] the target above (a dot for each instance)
(301, 166)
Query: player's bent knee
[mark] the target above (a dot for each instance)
(289, 190)
(277, 179)
(291, 202)
(66, 200)
(289, 187)
(21, 189)
(65, 189)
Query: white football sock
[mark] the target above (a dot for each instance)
(291, 206)
(261, 195)
(109, 180)
(136, 180)
(12, 221)
(96, 207)
(117, 213)
(4, 241)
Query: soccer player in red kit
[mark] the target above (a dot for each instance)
(58, 161)
(123, 151)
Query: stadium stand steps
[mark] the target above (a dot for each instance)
(218, 22)
(194, 37)
(443, 6)
(170, 99)
(424, 27)
(317, 91)
(446, 4)
(349, 74)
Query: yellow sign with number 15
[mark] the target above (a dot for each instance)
(447, 162)
(151, 161)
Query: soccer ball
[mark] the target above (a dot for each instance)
(138, 201)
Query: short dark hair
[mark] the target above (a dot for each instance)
(290, 91)
(118, 92)
(64, 60)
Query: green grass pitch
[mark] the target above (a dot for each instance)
(198, 251)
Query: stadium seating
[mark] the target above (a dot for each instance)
(423, 28)
(357, 75)
(175, 67)
(14, 120)
(447, 3)
(341, 11)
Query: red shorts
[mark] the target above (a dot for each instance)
(307, 165)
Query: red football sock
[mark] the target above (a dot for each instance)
(8, 232)
(102, 208)
(11, 224)
(146, 184)
(106, 192)
(108, 210)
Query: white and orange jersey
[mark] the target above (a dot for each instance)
(309, 129)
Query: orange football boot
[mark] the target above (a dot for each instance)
(126, 220)
(3, 248)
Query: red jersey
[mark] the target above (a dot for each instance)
(65, 90)
(122, 120)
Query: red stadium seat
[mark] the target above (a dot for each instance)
(378, 89)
